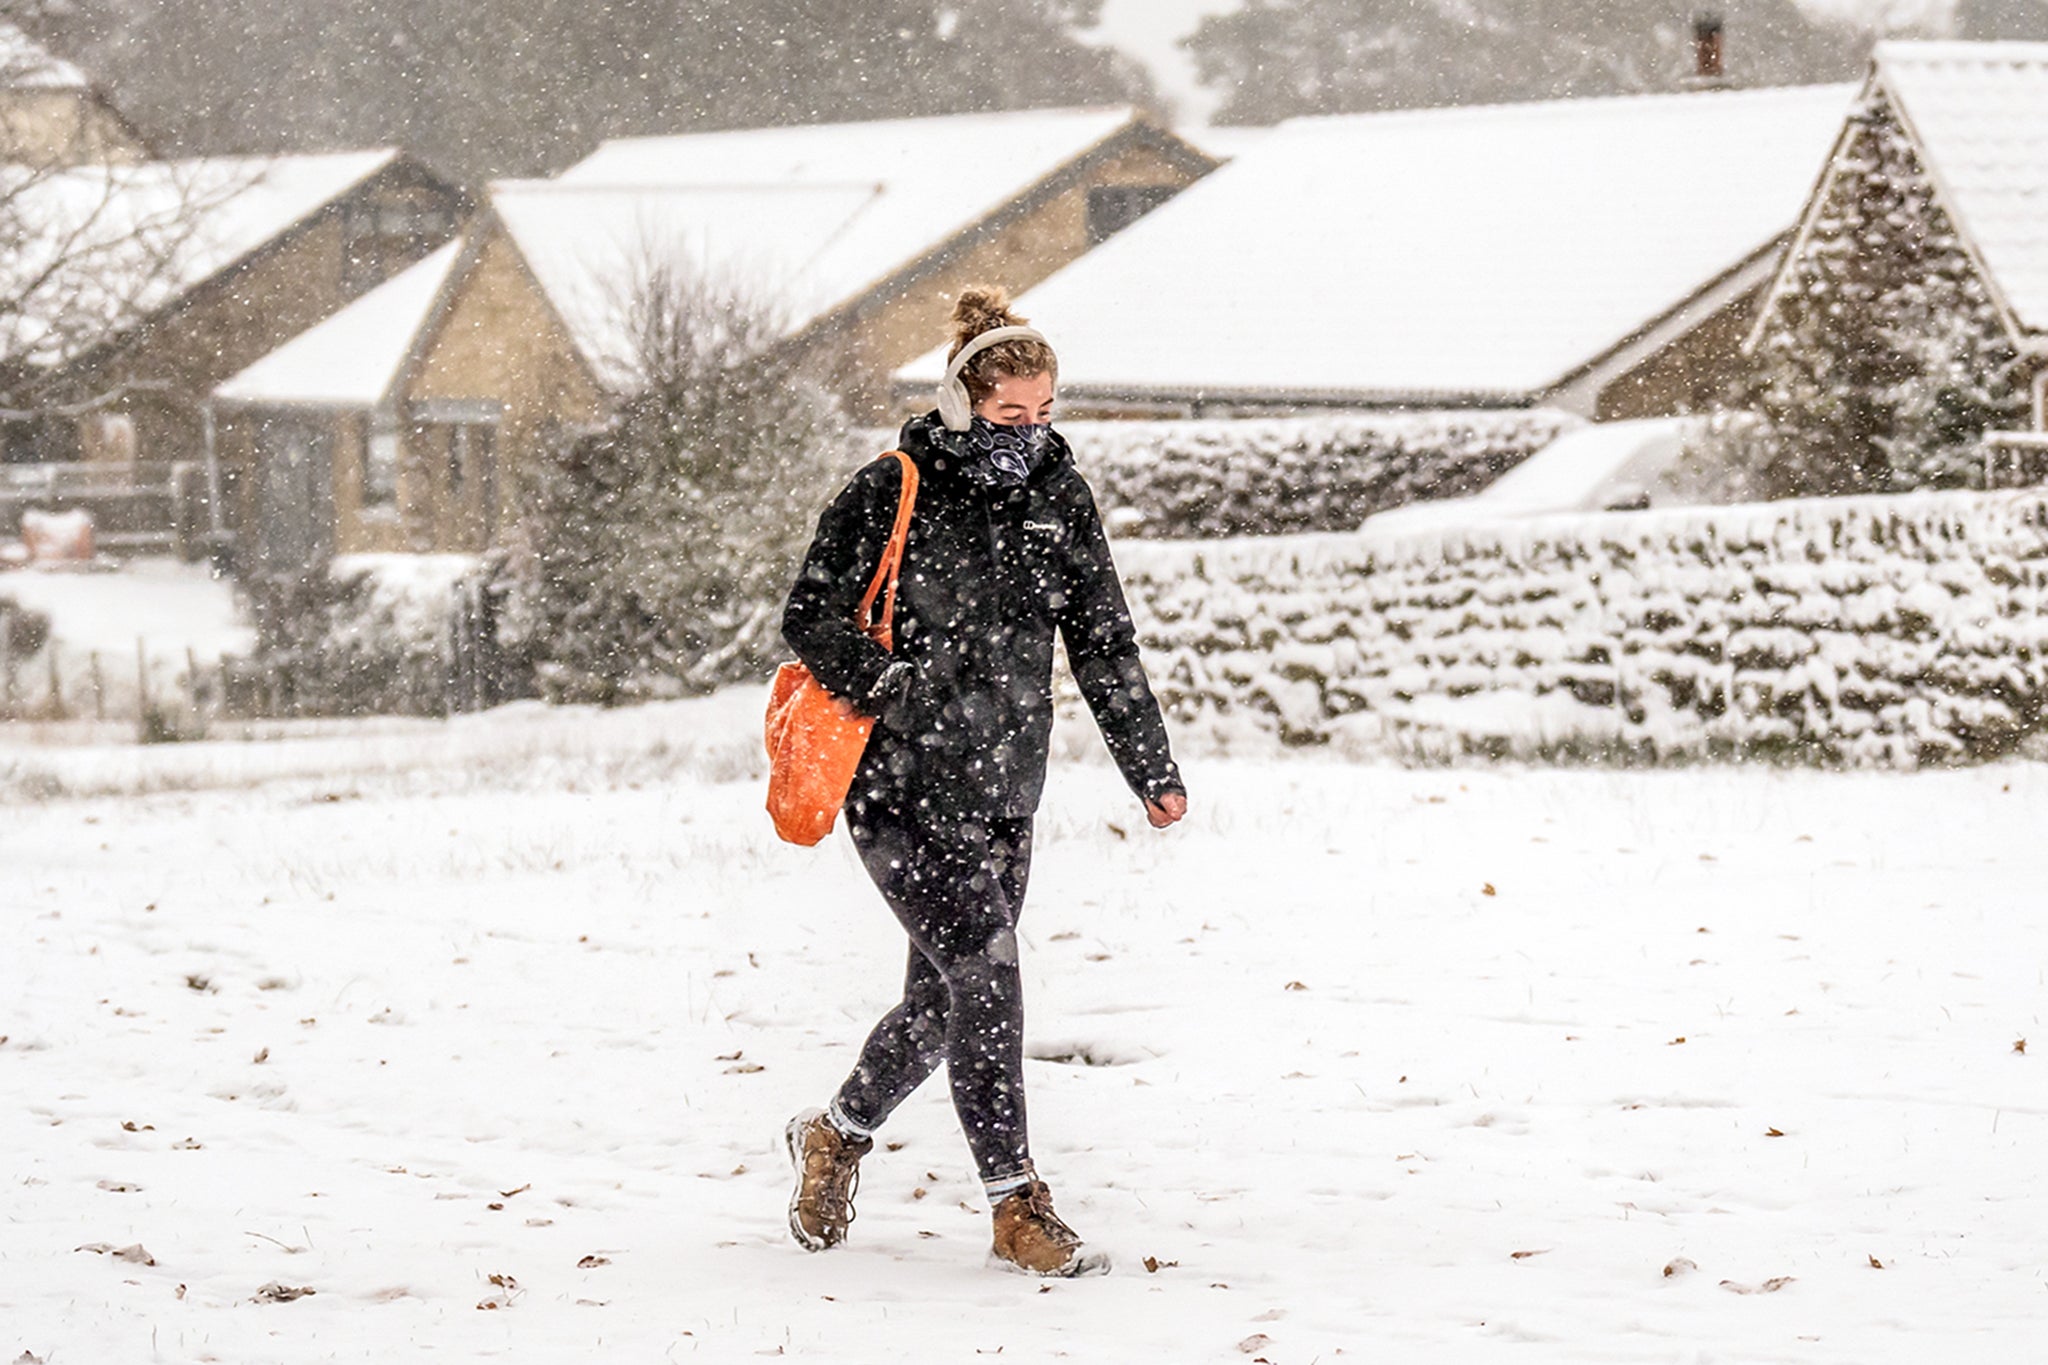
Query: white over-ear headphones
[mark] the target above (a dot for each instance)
(956, 409)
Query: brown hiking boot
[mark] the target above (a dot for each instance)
(1030, 1237)
(827, 1173)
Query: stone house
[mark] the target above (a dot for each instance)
(1914, 293)
(209, 265)
(853, 235)
(52, 114)
(1602, 256)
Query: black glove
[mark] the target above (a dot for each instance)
(890, 700)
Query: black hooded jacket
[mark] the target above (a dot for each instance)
(991, 569)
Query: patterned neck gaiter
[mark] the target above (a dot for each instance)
(1012, 452)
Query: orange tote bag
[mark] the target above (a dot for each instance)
(815, 740)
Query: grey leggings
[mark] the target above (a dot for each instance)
(956, 886)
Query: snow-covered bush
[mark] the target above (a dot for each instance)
(1274, 476)
(1888, 630)
(373, 635)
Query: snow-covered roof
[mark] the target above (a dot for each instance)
(591, 246)
(1479, 253)
(352, 359)
(134, 238)
(1979, 112)
(1589, 469)
(26, 64)
(918, 182)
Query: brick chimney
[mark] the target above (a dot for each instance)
(1707, 67)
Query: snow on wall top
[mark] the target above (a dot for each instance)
(925, 179)
(118, 242)
(590, 246)
(352, 359)
(1979, 112)
(26, 64)
(1483, 253)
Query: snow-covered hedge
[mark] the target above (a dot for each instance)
(1878, 630)
(1274, 476)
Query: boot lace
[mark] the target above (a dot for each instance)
(837, 1184)
(1038, 1203)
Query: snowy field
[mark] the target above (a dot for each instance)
(484, 1032)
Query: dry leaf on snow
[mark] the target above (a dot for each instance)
(1770, 1286)
(133, 1253)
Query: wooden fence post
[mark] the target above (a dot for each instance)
(6, 665)
(142, 703)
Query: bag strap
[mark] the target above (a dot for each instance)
(892, 560)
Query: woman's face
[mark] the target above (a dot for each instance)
(1018, 400)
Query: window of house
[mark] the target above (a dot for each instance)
(108, 437)
(382, 236)
(471, 446)
(480, 447)
(380, 467)
(458, 459)
(1112, 208)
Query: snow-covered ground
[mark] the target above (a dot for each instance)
(484, 1032)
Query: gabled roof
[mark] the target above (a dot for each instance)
(589, 247)
(1979, 115)
(139, 237)
(1473, 255)
(922, 181)
(26, 64)
(353, 359)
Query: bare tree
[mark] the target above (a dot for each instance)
(87, 249)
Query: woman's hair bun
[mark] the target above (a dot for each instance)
(981, 308)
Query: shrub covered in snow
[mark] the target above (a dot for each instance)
(1274, 476)
(375, 635)
(1879, 630)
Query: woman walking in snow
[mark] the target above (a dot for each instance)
(1005, 548)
